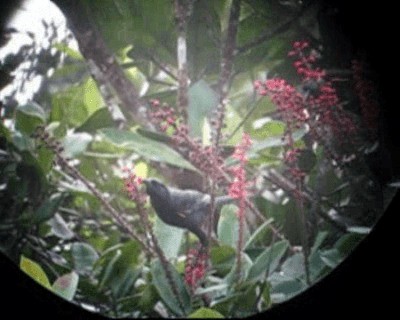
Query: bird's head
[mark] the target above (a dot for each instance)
(156, 190)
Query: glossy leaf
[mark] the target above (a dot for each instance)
(178, 305)
(145, 147)
(60, 228)
(228, 225)
(202, 99)
(84, 257)
(76, 143)
(28, 117)
(101, 118)
(66, 285)
(169, 238)
(205, 313)
(268, 260)
(48, 208)
(35, 271)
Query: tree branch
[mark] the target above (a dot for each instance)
(93, 48)
(183, 9)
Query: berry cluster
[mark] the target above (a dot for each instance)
(132, 184)
(205, 158)
(238, 188)
(195, 267)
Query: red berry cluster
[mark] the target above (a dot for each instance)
(195, 267)
(162, 116)
(132, 185)
(238, 188)
(205, 158)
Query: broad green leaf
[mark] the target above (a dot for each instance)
(202, 99)
(245, 266)
(73, 106)
(331, 257)
(165, 291)
(83, 256)
(118, 267)
(222, 254)
(35, 271)
(45, 159)
(145, 147)
(148, 297)
(205, 313)
(66, 285)
(101, 118)
(268, 260)
(76, 143)
(321, 236)
(284, 287)
(28, 117)
(293, 267)
(60, 228)
(64, 48)
(257, 233)
(232, 120)
(228, 225)
(169, 238)
(222, 258)
(276, 141)
(22, 141)
(265, 127)
(48, 208)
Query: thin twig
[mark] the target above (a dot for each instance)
(279, 180)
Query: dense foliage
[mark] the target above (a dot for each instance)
(252, 99)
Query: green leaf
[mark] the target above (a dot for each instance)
(222, 258)
(118, 267)
(331, 257)
(232, 121)
(202, 99)
(275, 141)
(205, 313)
(76, 143)
(246, 265)
(321, 236)
(169, 238)
(48, 208)
(66, 285)
(293, 267)
(83, 256)
(45, 159)
(60, 228)
(145, 147)
(268, 260)
(28, 117)
(99, 119)
(35, 271)
(64, 48)
(228, 225)
(73, 106)
(165, 291)
(257, 233)
(148, 298)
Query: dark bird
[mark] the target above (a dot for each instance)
(188, 209)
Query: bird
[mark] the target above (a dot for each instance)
(187, 209)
